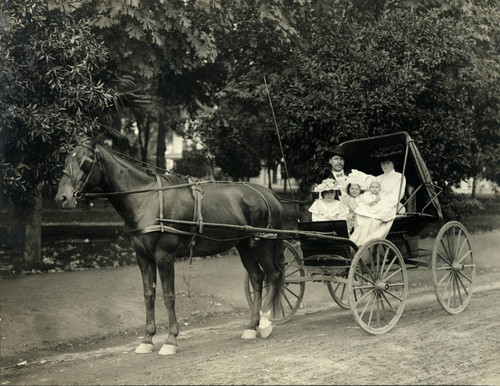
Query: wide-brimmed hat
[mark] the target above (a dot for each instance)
(388, 153)
(326, 185)
(336, 151)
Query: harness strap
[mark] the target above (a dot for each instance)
(197, 217)
(160, 198)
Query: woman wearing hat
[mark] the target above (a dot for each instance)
(327, 207)
(392, 185)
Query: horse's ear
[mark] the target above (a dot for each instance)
(86, 164)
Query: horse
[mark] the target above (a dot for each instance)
(147, 201)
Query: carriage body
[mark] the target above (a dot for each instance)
(372, 280)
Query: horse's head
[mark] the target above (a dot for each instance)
(80, 173)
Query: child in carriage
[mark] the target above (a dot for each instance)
(371, 203)
(356, 185)
(327, 207)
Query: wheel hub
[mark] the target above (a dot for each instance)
(381, 286)
(458, 267)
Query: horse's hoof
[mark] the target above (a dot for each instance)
(249, 334)
(265, 332)
(144, 348)
(168, 349)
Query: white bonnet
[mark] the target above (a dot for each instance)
(359, 178)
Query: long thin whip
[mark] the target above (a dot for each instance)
(281, 148)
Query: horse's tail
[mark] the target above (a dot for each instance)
(279, 262)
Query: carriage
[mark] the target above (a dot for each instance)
(171, 216)
(372, 281)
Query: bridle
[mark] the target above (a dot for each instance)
(87, 165)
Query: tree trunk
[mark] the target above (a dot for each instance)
(474, 186)
(160, 145)
(269, 178)
(32, 256)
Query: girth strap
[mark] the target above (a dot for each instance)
(160, 198)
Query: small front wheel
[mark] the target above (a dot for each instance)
(378, 286)
(453, 267)
(294, 286)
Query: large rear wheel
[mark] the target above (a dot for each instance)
(378, 286)
(294, 285)
(453, 267)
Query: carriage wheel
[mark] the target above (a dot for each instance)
(293, 291)
(339, 291)
(378, 286)
(453, 267)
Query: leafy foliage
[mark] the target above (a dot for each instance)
(51, 92)
(357, 78)
(193, 163)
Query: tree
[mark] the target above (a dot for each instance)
(355, 77)
(51, 92)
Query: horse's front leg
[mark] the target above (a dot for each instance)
(165, 262)
(147, 266)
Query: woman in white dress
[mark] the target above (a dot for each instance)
(392, 184)
(327, 207)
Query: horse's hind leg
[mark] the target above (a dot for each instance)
(265, 252)
(165, 262)
(148, 271)
(256, 278)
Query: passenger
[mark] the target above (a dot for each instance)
(337, 171)
(327, 207)
(374, 224)
(356, 185)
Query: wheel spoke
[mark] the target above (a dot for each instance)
(443, 278)
(394, 273)
(465, 276)
(458, 240)
(464, 256)
(443, 258)
(371, 309)
(289, 304)
(367, 269)
(446, 252)
(389, 303)
(383, 309)
(291, 273)
(462, 247)
(396, 285)
(386, 256)
(449, 288)
(365, 278)
(394, 295)
(463, 286)
(363, 296)
(367, 304)
(443, 268)
(458, 289)
(390, 265)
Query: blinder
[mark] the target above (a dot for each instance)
(86, 164)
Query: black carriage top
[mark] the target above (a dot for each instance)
(420, 190)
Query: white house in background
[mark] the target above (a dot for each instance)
(483, 186)
(174, 149)
(176, 144)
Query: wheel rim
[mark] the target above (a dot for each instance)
(339, 291)
(453, 267)
(378, 286)
(293, 289)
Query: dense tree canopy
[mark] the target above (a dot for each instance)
(50, 92)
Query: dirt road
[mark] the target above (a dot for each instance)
(321, 345)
